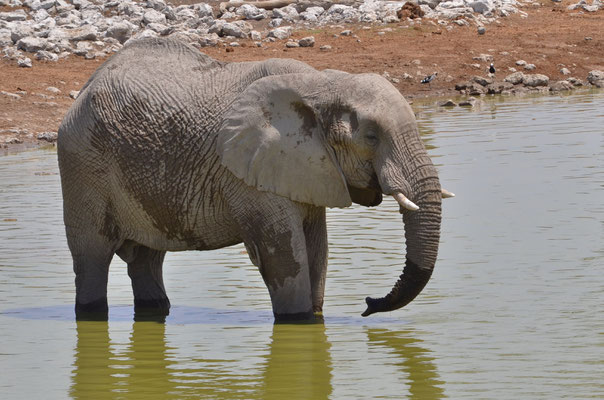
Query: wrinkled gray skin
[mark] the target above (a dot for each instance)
(166, 149)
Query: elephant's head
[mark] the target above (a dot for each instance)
(331, 138)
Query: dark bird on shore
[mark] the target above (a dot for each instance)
(492, 69)
(430, 78)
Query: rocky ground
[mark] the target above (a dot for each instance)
(51, 47)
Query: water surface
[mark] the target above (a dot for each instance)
(514, 308)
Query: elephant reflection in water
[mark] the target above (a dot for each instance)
(298, 365)
(413, 360)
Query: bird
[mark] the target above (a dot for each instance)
(429, 78)
(492, 69)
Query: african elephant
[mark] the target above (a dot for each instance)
(166, 149)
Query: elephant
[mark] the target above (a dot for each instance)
(166, 149)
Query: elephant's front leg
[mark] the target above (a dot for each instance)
(274, 236)
(315, 232)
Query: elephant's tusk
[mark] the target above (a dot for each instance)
(405, 202)
(446, 194)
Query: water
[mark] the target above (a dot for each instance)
(514, 308)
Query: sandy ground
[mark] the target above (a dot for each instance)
(550, 37)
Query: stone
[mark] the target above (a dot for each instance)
(596, 78)
(281, 32)
(20, 32)
(12, 96)
(53, 90)
(153, 16)
(530, 67)
(447, 103)
(475, 89)
(520, 63)
(308, 41)
(74, 94)
(535, 80)
(561, 86)
(564, 71)
(289, 13)
(44, 55)
(252, 12)
(515, 78)
(483, 58)
(292, 44)
(430, 3)
(50, 137)
(499, 87)
(481, 7)
(203, 10)
(122, 31)
(18, 15)
(471, 102)
(24, 62)
(482, 80)
(86, 32)
(239, 29)
(325, 47)
(32, 44)
(481, 30)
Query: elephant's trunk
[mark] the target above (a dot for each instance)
(422, 234)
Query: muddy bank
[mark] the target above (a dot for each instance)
(551, 38)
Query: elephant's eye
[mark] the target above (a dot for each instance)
(371, 138)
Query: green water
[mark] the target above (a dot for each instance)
(514, 308)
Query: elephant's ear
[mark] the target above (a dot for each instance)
(272, 138)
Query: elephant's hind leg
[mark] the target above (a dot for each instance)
(92, 255)
(145, 271)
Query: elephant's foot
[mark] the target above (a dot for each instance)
(296, 318)
(94, 311)
(151, 309)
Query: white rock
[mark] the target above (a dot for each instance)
(122, 31)
(340, 13)
(239, 29)
(19, 15)
(44, 55)
(203, 10)
(86, 32)
(564, 71)
(530, 67)
(24, 62)
(153, 16)
(21, 31)
(281, 32)
(32, 44)
(249, 11)
(288, 13)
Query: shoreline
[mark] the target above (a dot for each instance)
(34, 100)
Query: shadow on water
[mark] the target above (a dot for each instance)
(186, 315)
(412, 359)
(297, 364)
